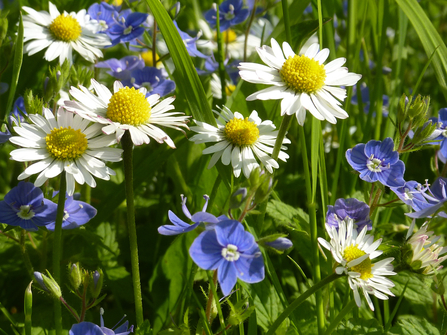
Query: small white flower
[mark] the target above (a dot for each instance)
(302, 82)
(61, 33)
(67, 143)
(354, 252)
(425, 252)
(127, 109)
(238, 140)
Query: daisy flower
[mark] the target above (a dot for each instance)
(354, 253)
(127, 109)
(61, 33)
(238, 138)
(64, 143)
(302, 82)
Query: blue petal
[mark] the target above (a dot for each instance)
(171, 230)
(356, 157)
(204, 217)
(439, 188)
(206, 252)
(85, 328)
(230, 232)
(443, 115)
(164, 88)
(227, 277)
(135, 33)
(393, 177)
(176, 221)
(241, 16)
(135, 19)
(427, 211)
(251, 269)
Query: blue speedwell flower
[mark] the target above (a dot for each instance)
(231, 13)
(412, 194)
(190, 43)
(179, 226)
(4, 136)
(436, 200)
(18, 112)
(76, 213)
(152, 79)
(232, 251)
(121, 68)
(127, 27)
(88, 328)
(105, 14)
(377, 161)
(442, 130)
(26, 207)
(350, 208)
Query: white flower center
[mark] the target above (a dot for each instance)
(25, 212)
(230, 253)
(128, 30)
(408, 194)
(374, 164)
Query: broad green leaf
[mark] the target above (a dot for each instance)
(359, 326)
(429, 37)
(414, 325)
(286, 214)
(169, 280)
(16, 66)
(186, 75)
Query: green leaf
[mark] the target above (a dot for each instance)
(286, 214)
(144, 328)
(16, 66)
(414, 325)
(429, 37)
(186, 76)
(169, 280)
(359, 326)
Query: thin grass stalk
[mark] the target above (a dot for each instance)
(298, 301)
(57, 250)
(285, 16)
(128, 174)
(340, 317)
(221, 57)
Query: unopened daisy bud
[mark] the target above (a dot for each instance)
(419, 107)
(425, 255)
(238, 197)
(96, 285)
(75, 275)
(33, 104)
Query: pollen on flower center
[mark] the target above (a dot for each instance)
(241, 132)
(229, 36)
(303, 74)
(25, 212)
(230, 253)
(374, 164)
(65, 28)
(364, 268)
(129, 106)
(66, 143)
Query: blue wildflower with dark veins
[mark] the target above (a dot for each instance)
(89, 328)
(76, 214)
(350, 208)
(230, 250)
(412, 194)
(231, 13)
(127, 27)
(179, 226)
(190, 43)
(26, 207)
(436, 200)
(377, 161)
(121, 68)
(105, 14)
(152, 79)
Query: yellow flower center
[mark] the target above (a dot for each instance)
(303, 74)
(364, 268)
(149, 61)
(129, 106)
(229, 36)
(65, 28)
(66, 143)
(241, 132)
(229, 89)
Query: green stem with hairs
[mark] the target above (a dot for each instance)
(127, 144)
(298, 301)
(57, 250)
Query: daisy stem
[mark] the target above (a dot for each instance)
(57, 250)
(285, 124)
(220, 57)
(298, 301)
(340, 317)
(128, 173)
